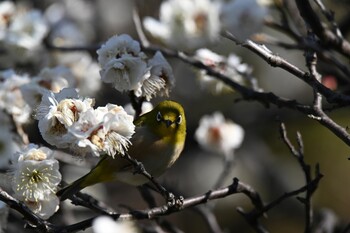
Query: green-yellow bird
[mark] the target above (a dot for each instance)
(158, 141)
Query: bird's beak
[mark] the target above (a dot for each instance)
(168, 123)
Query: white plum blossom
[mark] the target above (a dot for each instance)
(27, 29)
(66, 121)
(219, 135)
(105, 224)
(22, 34)
(209, 58)
(125, 66)
(87, 133)
(186, 24)
(231, 66)
(44, 208)
(159, 80)
(117, 46)
(35, 179)
(118, 129)
(7, 10)
(103, 130)
(32, 152)
(49, 79)
(124, 73)
(243, 18)
(11, 98)
(57, 112)
(122, 63)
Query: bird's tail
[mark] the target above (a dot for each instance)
(96, 175)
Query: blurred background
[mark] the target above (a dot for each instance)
(263, 161)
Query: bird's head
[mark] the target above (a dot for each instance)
(167, 119)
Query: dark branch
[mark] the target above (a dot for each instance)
(29, 216)
(234, 188)
(327, 37)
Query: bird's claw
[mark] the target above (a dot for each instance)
(173, 201)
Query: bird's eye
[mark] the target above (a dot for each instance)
(179, 119)
(159, 117)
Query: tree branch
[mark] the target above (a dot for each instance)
(327, 37)
(30, 217)
(43, 226)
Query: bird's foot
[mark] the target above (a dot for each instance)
(174, 201)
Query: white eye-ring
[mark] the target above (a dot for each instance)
(179, 119)
(159, 117)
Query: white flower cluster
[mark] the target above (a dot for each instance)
(49, 79)
(67, 121)
(191, 24)
(20, 94)
(219, 135)
(126, 67)
(35, 179)
(230, 66)
(68, 29)
(186, 24)
(11, 98)
(21, 33)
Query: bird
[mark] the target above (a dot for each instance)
(157, 143)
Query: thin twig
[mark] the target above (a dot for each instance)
(253, 217)
(316, 113)
(228, 163)
(330, 17)
(325, 55)
(299, 155)
(277, 61)
(282, 27)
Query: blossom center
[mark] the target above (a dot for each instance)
(38, 155)
(200, 20)
(214, 135)
(35, 177)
